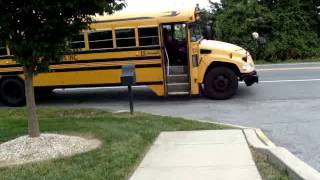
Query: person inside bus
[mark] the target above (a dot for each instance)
(177, 53)
(170, 45)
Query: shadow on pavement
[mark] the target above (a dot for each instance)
(119, 95)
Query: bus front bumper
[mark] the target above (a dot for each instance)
(250, 78)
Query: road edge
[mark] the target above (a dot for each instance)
(279, 156)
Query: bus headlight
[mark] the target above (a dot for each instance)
(248, 67)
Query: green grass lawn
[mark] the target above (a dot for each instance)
(125, 141)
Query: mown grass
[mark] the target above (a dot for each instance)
(125, 141)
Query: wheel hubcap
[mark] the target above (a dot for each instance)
(221, 83)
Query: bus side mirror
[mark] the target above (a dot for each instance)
(128, 76)
(208, 31)
(255, 35)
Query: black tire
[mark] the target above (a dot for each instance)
(221, 83)
(12, 92)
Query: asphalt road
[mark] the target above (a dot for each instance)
(285, 104)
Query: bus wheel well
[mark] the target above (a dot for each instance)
(11, 77)
(12, 91)
(231, 66)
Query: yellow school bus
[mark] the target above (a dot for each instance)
(167, 49)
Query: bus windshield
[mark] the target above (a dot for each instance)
(196, 33)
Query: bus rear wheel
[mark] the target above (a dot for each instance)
(12, 92)
(221, 83)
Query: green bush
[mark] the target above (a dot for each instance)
(291, 28)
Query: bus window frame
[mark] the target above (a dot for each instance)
(173, 33)
(84, 41)
(97, 31)
(134, 37)
(185, 33)
(187, 40)
(158, 36)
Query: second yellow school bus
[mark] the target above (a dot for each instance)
(167, 49)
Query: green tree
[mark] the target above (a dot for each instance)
(37, 31)
(235, 21)
(294, 30)
(291, 27)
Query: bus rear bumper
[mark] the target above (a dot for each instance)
(250, 78)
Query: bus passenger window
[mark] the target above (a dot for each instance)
(148, 36)
(100, 40)
(125, 38)
(3, 49)
(77, 42)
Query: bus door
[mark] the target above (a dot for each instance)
(176, 53)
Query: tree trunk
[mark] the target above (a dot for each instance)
(33, 124)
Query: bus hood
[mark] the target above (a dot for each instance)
(218, 45)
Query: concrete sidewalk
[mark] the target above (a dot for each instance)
(198, 155)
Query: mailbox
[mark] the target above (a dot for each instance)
(128, 76)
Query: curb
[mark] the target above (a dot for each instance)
(279, 156)
(203, 121)
(222, 124)
(264, 138)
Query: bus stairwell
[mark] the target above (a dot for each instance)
(177, 78)
(178, 81)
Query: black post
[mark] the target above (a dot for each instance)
(131, 99)
(128, 78)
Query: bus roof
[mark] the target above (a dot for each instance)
(163, 16)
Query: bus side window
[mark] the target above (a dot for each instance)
(125, 38)
(148, 36)
(100, 40)
(3, 49)
(77, 42)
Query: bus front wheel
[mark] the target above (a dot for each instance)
(12, 92)
(221, 83)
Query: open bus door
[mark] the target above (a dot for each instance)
(176, 53)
